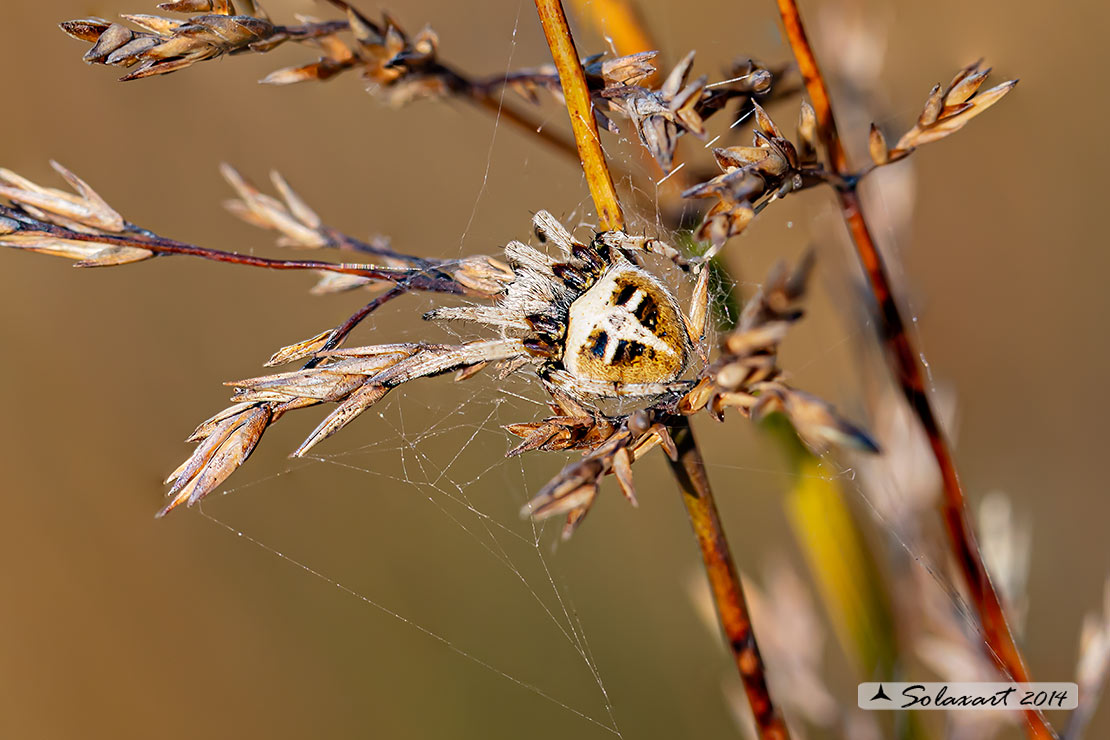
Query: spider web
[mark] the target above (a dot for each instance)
(449, 456)
(471, 434)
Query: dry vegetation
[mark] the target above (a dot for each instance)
(514, 292)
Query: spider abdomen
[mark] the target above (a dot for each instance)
(627, 328)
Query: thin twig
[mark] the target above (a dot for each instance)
(689, 470)
(340, 332)
(423, 279)
(483, 97)
(815, 85)
(728, 593)
(347, 243)
(999, 638)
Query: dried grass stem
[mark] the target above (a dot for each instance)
(902, 352)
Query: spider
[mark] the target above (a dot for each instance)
(593, 324)
(597, 324)
(605, 336)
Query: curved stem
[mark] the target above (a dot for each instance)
(903, 354)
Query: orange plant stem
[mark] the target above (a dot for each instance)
(689, 470)
(904, 356)
(724, 581)
(580, 107)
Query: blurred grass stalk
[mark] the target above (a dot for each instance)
(904, 357)
(842, 564)
(621, 23)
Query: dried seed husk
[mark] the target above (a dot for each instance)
(86, 29)
(299, 350)
(361, 399)
(112, 38)
(932, 108)
(622, 471)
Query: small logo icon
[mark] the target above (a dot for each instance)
(880, 694)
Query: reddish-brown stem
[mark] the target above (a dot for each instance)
(415, 279)
(338, 240)
(1000, 640)
(340, 332)
(482, 96)
(689, 470)
(724, 581)
(815, 85)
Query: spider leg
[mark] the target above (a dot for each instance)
(620, 240)
(656, 436)
(622, 471)
(550, 231)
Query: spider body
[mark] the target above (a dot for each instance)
(627, 328)
(596, 324)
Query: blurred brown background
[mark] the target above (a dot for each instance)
(114, 625)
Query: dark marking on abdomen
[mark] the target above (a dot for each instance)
(627, 352)
(599, 341)
(624, 295)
